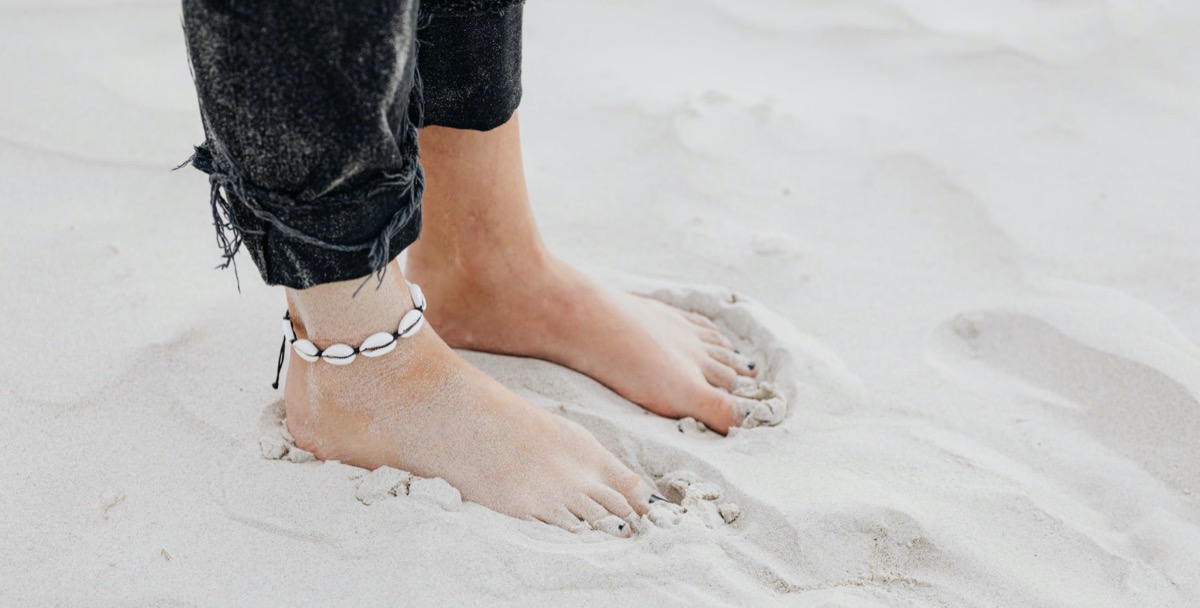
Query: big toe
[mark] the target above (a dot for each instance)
(718, 410)
(632, 488)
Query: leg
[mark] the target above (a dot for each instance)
(480, 238)
(312, 155)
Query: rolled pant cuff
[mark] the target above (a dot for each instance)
(470, 63)
(300, 242)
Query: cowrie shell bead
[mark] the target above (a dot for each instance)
(338, 354)
(378, 344)
(411, 323)
(418, 296)
(306, 350)
(287, 330)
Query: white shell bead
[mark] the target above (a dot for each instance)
(305, 350)
(418, 296)
(411, 323)
(375, 345)
(378, 344)
(338, 354)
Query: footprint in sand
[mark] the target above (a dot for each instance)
(1129, 404)
(748, 326)
(797, 373)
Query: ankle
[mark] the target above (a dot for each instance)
(348, 310)
(478, 269)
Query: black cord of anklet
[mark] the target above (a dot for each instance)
(279, 368)
(287, 316)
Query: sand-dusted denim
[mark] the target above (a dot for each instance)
(470, 62)
(311, 109)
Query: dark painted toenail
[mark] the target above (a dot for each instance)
(620, 526)
(656, 498)
(750, 365)
(737, 351)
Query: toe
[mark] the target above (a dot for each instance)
(699, 319)
(564, 519)
(737, 410)
(737, 361)
(614, 526)
(719, 374)
(712, 336)
(587, 509)
(612, 500)
(719, 410)
(635, 491)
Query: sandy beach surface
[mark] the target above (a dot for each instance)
(962, 240)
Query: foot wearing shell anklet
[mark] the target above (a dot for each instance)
(375, 345)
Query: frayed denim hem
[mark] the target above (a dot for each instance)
(289, 256)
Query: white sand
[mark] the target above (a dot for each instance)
(975, 223)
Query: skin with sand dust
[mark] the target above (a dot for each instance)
(422, 409)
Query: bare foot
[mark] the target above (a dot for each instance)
(671, 362)
(421, 408)
(481, 260)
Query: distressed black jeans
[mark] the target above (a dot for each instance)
(311, 109)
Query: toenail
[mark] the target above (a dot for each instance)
(620, 526)
(737, 351)
(656, 498)
(750, 365)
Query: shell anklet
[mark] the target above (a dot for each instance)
(375, 345)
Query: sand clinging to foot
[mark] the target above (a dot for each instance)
(958, 239)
